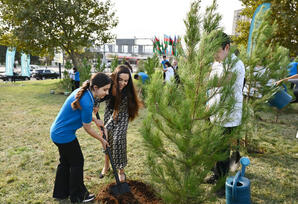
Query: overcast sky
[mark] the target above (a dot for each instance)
(147, 18)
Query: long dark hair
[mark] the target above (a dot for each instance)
(129, 90)
(98, 79)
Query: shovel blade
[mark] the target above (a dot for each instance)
(120, 189)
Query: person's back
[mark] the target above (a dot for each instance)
(169, 74)
(293, 68)
(143, 76)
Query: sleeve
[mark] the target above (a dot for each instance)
(87, 109)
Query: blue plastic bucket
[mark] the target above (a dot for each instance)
(239, 193)
(238, 187)
(280, 99)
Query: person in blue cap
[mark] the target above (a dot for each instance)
(75, 113)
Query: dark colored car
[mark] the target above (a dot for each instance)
(45, 74)
(17, 77)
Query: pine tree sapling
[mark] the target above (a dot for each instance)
(100, 67)
(114, 63)
(183, 144)
(85, 71)
(150, 64)
(266, 63)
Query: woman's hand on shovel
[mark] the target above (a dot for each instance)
(104, 143)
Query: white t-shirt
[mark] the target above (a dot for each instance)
(169, 74)
(235, 117)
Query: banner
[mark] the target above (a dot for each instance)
(10, 54)
(254, 25)
(25, 65)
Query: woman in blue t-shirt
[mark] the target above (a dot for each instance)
(75, 113)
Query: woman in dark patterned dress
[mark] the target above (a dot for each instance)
(122, 106)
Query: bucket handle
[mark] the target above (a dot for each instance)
(235, 181)
(285, 87)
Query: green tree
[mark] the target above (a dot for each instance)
(265, 64)
(282, 11)
(100, 67)
(114, 63)
(66, 24)
(182, 144)
(192, 24)
(66, 82)
(211, 19)
(150, 64)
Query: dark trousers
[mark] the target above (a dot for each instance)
(73, 85)
(77, 84)
(221, 168)
(69, 176)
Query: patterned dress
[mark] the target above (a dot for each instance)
(117, 131)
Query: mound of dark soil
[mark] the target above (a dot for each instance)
(140, 194)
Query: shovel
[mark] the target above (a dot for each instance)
(120, 187)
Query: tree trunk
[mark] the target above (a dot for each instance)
(75, 60)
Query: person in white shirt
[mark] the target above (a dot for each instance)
(234, 117)
(169, 71)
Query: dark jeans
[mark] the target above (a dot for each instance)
(221, 168)
(77, 84)
(69, 176)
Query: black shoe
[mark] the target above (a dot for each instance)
(89, 198)
(102, 174)
(60, 198)
(221, 192)
(212, 179)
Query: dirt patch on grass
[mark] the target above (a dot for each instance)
(140, 194)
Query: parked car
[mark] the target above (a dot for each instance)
(33, 67)
(17, 76)
(45, 74)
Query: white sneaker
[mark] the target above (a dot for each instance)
(89, 198)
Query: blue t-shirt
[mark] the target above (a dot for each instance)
(164, 63)
(68, 120)
(144, 76)
(77, 76)
(292, 68)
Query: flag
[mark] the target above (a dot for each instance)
(166, 39)
(171, 41)
(156, 45)
(10, 54)
(25, 65)
(254, 25)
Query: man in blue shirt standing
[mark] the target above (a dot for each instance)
(76, 77)
(163, 62)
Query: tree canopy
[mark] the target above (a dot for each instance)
(283, 12)
(66, 24)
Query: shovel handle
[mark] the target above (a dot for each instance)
(108, 152)
(102, 129)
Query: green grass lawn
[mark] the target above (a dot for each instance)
(29, 158)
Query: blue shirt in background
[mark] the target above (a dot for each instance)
(68, 121)
(143, 76)
(293, 68)
(77, 76)
(164, 63)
